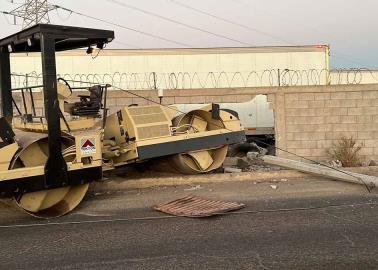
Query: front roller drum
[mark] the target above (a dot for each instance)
(52, 202)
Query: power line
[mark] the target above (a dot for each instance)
(230, 21)
(179, 23)
(161, 217)
(124, 27)
(336, 55)
(278, 14)
(61, 17)
(348, 58)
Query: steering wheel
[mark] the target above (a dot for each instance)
(66, 83)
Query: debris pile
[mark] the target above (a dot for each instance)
(237, 165)
(248, 157)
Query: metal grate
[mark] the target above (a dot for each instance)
(145, 110)
(192, 206)
(149, 118)
(153, 131)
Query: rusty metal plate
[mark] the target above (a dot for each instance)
(192, 206)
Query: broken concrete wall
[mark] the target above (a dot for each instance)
(308, 119)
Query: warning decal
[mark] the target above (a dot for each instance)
(88, 146)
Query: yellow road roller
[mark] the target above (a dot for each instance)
(47, 161)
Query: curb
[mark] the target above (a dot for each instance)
(118, 183)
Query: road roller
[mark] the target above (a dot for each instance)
(49, 158)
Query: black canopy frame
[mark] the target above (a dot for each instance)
(47, 39)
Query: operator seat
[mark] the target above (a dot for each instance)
(89, 105)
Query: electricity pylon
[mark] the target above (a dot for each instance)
(33, 12)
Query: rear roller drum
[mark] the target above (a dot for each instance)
(201, 161)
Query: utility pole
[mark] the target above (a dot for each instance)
(32, 12)
(14, 17)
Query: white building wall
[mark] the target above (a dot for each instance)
(188, 68)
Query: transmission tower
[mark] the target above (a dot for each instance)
(33, 12)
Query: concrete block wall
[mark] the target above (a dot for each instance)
(316, 118)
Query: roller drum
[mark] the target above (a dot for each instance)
(205, 160)
(45, 203)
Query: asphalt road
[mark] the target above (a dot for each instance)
(303, 224)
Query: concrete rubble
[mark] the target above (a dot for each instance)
(231, 170)
(237, 164)
(246, 157)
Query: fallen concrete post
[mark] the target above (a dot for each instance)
(232, 170)
(335, 174)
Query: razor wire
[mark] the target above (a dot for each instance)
(209, 80)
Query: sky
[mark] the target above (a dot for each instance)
(349, 27)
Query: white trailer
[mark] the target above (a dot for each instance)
(255, 115)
